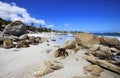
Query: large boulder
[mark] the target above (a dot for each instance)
(46, 68)
(109, 41)
(16, 28)
(70, 44)
(86, 38)
(8, 43)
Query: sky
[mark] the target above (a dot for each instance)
(69, 15)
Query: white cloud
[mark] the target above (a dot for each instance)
(14, 12)
(68, 25)
(50, 26)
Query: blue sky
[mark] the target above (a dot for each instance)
(81, 15)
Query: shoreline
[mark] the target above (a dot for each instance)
(18, 63)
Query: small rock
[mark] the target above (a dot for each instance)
(8, 43)
(22, 44)
(94, 70)
(60, 52)
(53, 40)
(48, 50)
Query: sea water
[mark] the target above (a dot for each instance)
(61, 39)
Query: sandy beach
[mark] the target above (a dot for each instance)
(18, 63)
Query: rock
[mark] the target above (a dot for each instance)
(86, 38)
(53, 40)
(94, 70)
(103, 55)
(23, 37)
(70, 44)
(15, 28)
(116, 57)
(46, 68)
(95, 47)
(100, 51)
(43, 39)
(8, 43)
(61, 38)
(84, 77)
(48, 50)
(103, 63)
(105, 49)
(12, 37)
(109, 41)
(22, 44)
(38, 40)
(115, 50)
(31, 39)
(60, 52)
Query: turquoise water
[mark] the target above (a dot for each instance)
(61, 39)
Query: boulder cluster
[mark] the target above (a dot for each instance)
(15, 35)
(102, 51)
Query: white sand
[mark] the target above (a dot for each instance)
(18, 63)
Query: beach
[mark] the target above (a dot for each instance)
(19, 63)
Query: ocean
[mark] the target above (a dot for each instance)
(61, 39)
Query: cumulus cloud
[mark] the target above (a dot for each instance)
(14, 12)
(50, 26)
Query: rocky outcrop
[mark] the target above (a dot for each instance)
(8, 43)
(60, 52)
(109, 41)
(86, 38)
(103, 63)
(46, 68)
(70, 44)
(15, 28)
